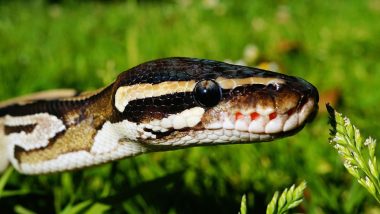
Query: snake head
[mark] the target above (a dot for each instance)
(187, 102)
(273, 108)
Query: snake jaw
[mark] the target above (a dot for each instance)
(228, 127)
(277, 110)
(263, 122)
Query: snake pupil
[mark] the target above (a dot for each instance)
(207, 93)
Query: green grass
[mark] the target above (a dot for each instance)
(85, 45)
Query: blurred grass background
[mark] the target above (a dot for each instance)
(84, 45)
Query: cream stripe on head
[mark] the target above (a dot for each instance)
(233, 83)
(126, 94)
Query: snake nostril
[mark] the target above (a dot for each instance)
(273, 86)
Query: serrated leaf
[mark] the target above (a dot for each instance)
(371, 147)
(348, 141)
(289, 199)
(294, 203)
(271, 208)
(289, 195)
(282, 199)
(350, 130)
(243, 205)
(358, 139)
(300, 188)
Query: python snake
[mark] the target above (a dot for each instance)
(159, 105)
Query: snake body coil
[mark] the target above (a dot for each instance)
(160, 105)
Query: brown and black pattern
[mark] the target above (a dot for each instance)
(85, 114)
(18, 129)
(82, 118)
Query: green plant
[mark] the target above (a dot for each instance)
(289, 199)
(243, 205)
(358, 154)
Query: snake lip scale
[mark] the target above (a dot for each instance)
(160, 105)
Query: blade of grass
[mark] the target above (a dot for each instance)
(22, 210)
(4, 178)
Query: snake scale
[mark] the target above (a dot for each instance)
(160, 105)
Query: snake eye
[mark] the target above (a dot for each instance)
(207, 93)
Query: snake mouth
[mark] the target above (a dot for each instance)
(274, 110)
(266, 120)
(259, 125)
